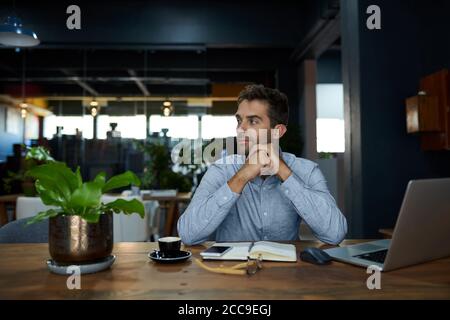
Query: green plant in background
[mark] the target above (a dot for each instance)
(158, 173)
(325, 155)
(34, 157)
(57, 185)
(157, 162)
(175, 180)
(39, 154)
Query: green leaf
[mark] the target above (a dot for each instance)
(39, 153)
(48, 196)
(88, 195)
(92, 216)
(127, 206)
(55, 176)
(43, 215)
(57, 192)
(67, 175)
(79, 179)
(121, 180)
(100, 179)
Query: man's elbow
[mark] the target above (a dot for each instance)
(340, 233)
(186, 236)
(337, 235)
(189, 241)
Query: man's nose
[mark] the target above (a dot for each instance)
(242, 128)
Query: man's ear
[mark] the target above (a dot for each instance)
(281, 129)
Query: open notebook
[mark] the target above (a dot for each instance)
(270, 251)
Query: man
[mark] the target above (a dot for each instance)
(261, 193)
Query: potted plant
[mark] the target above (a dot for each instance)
(80, 224)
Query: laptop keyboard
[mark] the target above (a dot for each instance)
(377, 256)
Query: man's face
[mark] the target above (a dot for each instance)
(253, 125)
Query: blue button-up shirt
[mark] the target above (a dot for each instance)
(267, 209)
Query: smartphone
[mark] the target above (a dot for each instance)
(215, 251)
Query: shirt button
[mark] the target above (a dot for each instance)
(287, 192)
(265, 213)
(225, 198)
(265, 238)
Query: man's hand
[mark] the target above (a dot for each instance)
(255, 162)
(276, 166)
(262, 160)
(258, 162)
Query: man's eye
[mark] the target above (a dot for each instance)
(254, 122)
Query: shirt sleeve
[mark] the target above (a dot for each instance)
(316, 206)
(209, 206)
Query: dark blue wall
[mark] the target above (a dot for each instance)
(134, 22)
(413, 42)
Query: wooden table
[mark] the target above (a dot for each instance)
(171, 204)
(4, 201)
(23, 275)
(386, 233)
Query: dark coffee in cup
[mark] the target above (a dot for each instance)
(169, 244)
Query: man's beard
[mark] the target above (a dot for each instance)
(244, 149)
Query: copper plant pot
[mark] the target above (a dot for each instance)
(73, 239)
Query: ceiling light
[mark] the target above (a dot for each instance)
(94, 103)
(167, 111)
(23, 110)
(94, 111)
(14, 35)
(167, 108)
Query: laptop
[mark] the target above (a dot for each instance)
(421, 234)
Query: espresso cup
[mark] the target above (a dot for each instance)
(169, 244)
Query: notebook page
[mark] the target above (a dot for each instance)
(276, 251)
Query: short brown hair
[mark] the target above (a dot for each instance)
(277, 102)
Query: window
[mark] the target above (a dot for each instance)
(32, 127)
(179, 126)
(69, 124)
(134, 127)
(14, 122)
(330, 118)
(218, 127)
(129, 126)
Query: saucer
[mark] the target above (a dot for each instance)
(163, 257)
(85, 268)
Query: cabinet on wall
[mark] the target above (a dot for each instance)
(428, 114)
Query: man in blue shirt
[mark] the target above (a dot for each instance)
(261, 193)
